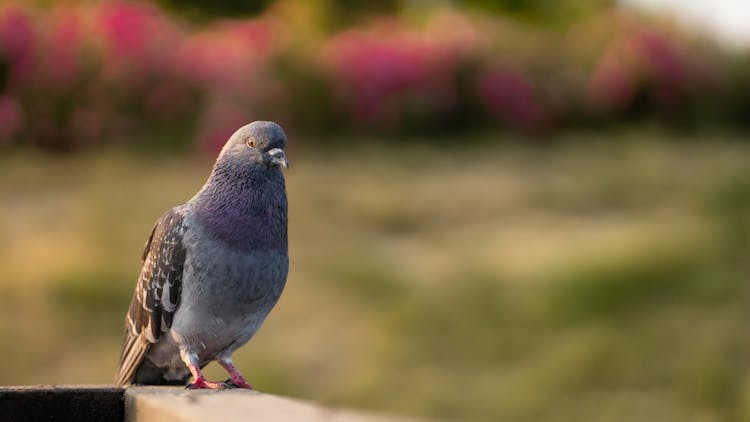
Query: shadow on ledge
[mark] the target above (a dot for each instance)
(79, 403)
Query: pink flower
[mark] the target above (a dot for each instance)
(129, 27)
(638, 60)
(377, 71)
(255, 35)
(509, 96)
(138, 40)
(18, 41)
(61, 60)
(665, 66)
(228, 57)
(612, 86)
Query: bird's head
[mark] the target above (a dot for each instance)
(258, 143)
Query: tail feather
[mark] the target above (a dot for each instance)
(133, 351)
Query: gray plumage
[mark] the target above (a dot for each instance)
(213, 267)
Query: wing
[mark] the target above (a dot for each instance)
(157, 293)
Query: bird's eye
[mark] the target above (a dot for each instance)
(251, 143)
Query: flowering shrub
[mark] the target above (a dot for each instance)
(379, 73)
(77, 75)
(510, 97)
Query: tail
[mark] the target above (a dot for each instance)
(131, 357)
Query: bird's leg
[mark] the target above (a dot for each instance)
(234, 374)
(199, 381)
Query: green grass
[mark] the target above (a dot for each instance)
(586, 279)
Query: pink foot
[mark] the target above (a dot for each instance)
(201, 384)
(234, 375)
(239, 381)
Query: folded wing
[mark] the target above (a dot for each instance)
(157, 294)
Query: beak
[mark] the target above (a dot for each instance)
(278, 157)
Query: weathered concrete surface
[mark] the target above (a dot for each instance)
(60, 403)
(84, 403)
(162, 404)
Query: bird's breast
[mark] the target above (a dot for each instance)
(246, 225)
(226, 292)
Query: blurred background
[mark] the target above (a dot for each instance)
(499, 210)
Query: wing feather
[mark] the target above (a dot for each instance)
(157, 293)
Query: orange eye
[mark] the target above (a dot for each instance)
(251, 143)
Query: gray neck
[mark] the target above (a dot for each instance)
(244, 206)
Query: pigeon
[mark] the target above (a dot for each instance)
(213, 268)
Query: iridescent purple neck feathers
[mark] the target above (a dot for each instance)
(244, 206)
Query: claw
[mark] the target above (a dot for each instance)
(202, 384)
(241, 383)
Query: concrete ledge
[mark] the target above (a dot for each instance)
(161, 404)
(84, 403)
(79, 403)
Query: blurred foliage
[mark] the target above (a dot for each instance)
(206, 9)
(561, 12)
(83, 74)
(337, 12)
(342, 13)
